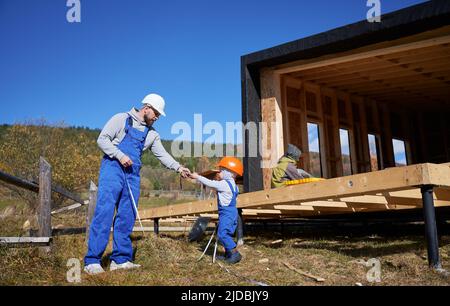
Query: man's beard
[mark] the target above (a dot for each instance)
(147, 120)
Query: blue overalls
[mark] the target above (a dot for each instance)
(228, 216)
(113, 193)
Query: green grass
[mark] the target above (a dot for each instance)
(171, 260)
(7, 202)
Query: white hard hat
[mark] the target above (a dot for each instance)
(155, 101)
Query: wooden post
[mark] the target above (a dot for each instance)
(387, 147)
(156, 226)
(91, 208)
(430, 227)
(240, 228)
(45, 199)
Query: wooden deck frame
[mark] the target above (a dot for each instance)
(385, 183)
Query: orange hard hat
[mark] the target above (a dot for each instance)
(232, 164)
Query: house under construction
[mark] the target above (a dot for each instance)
(369, 106)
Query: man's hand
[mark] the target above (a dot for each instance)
(126, 161)
(184, 172)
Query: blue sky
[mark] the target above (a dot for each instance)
(187, 51)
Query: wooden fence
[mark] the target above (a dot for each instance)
(44, 187)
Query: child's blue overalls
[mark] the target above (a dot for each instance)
(228, 216)
(113, 194)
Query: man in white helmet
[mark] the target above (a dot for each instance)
(123, 140)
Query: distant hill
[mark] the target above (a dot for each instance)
(154, 174)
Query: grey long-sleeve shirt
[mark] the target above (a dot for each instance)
(223, 190)
(114, 132)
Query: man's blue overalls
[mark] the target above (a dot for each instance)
(228, 216)
(113, 193)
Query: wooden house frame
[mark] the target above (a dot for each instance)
(390, 80)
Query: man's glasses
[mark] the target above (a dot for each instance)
(157, 114)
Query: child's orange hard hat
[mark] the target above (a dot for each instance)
(232, 164)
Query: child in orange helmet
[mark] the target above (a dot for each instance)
(227, 192)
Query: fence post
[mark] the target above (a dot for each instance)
(45, 199)
(156, 226)
(91, 208)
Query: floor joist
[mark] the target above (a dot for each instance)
(393, 188)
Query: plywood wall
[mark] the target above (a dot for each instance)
(294, 103)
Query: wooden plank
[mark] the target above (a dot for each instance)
(261, 211)
(364, 140)
(25, 240)
(406, 57)
(376, 131)
(376, 65)
(272, 137)
(395, 71)
(387, 82)
(352, 134)
(295, 117)
(406, 197)
(437, 175)
(304, 132)
(387, 147)
(45, 200)
(34, 186)
(293, 207)
(318, 118)
(315, 63)
(392, 179)
(67, 208)
(406, 131)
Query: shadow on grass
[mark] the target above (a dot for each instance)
(354, 249)
(355, 241)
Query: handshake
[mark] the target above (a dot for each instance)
(186, 173)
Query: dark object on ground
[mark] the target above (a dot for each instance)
(198, 229)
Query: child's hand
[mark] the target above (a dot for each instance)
(194, 175)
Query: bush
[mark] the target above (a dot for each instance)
(74, 157)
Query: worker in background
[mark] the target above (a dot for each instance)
(286, 169)
(227, 192)
(123, 140)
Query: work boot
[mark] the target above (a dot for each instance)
(234, 258)
(93, 269)
(224, 257)
(125, 265)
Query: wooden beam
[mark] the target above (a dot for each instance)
(271, 115)
(293, 207)
(45, 199)
(392, 179)
(357, 69)
(38, 241)
(387, 147)
(395, 71)
(66, 208)
(315, 63)
(34, 186)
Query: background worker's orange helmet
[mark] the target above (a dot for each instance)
(232, 164)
